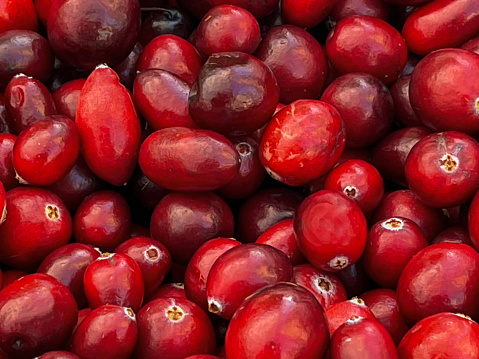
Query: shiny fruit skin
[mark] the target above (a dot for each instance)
(18, 14)
(305, 13)
(66, 97)
(341, 312)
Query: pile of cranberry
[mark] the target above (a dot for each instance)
(239, 179)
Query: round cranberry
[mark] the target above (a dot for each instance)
(331, 230)
(341, 312)
(454, 235)
(58, 354)
(258, 9)
(305, 13)
(87, 33)
(37, 223)
(289, 147)
(163, 21)
(18, 14)
(37, 314)
(367, 44)
(66, 97)
(346, 8)
(297, 61)
(442, 169)
(7, 172)
(173, 328)
(405, 114)
(283, 320)
(365, 105)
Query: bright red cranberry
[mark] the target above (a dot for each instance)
(442, 169)
(341, 312)
(37, 223)
(405, 204)
(383, 304)
(263, 210)
(346, 8)
(433, 83)
(258, 9)
(163, 21)
(326, 244)
(126, 70)
(114, 278)
(428, 282)
(11, 275)
(173, 54)
(23, 51)
(108, 332)
(281, 236)
(454, 235)
(109, 127)
(173, 328)
(151, 256)
(66, 97)
(18, 14)
(59, 354)
(446, 335)
(289, 146)
(325, 286)
(297, 61)
(162, 99)
(405, 114)
(364, 337)
(472, 45)
(102, 220)
(389, 155)
(169, 290)
(267, 325)
(37, 314)
(67, 264)
(87, 33)
(365, 105)
(7, 172)
(367, 44)
(305, 13)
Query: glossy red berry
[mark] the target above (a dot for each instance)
(66, 97)
(341, 312)
(305, 13)
(18, 14)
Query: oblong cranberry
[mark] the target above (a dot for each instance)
(88, 33)
(447, 106)
(37, 314)
(289, 146)
(367, 44)
(240, 272)
(258, 329)
(234, 94)
(297, 61)
(108, 332)
(341, 312)
(258, 9)
(183, 159)
(19, 14)
(439, 265)
(66, 97)
(7, 172)
(305, 13)
(23, 51)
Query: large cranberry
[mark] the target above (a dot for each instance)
(283, 320)
(37, 314)
(341, 312)
(258, 8)
(87, 33)
(66, 97)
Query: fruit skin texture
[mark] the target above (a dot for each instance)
(87, 33)
(18, 14)
(436, 99)
(442, 169)
(109, 127)
(302, 142)
(259, 9)
(442, 277)
(58, 354)
(341, 312)
(282, 320)
(473, 220)
(331, 230)
(441, 24)
(305, 13)
(37, 314)
(66, 97)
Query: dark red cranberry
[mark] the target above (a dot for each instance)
(109, 127)
(7, 172)
(240, 272)
(127, 69)
(66, 97)
(184, 221)
(258, 9)
(59, 354)
(234, 94)
(23, 51)
(164, 21)
(196, 9)
(173, 328)
(268, 324)
(199, 268)
(405, 114)
(18, 14)
(11, 275)
(263, 210)
(363, 43)
(346, 8)
(114, 278)
(37, 314)
(365, 105)
(428, 282)
(454, 235)
(297, 61)
(67, 264)
(102, 220)
(169, 290)
(341, 312)
(305, 13)
(473, 220)
(37, 223)
(4, 116)
(442, 169)
(146, 192)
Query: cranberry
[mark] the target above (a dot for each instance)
(173, 328)
(453, 235)
(199, 268)
(289, 146)
(58, 354)
(472, 45)
(346, 8)
(108, 332)
(258, 9)
(331, 230)
(109, 127)
(341, 312)
(196, 9)
(17, 14)
(442, 169)
(170, 290)
(367, 44)
(305, 13)
(405, 114)
(425, 287)
(37, 314)
(282, 320)
(163, 21)
(297, 61)
(103, 220)
(7, 172)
